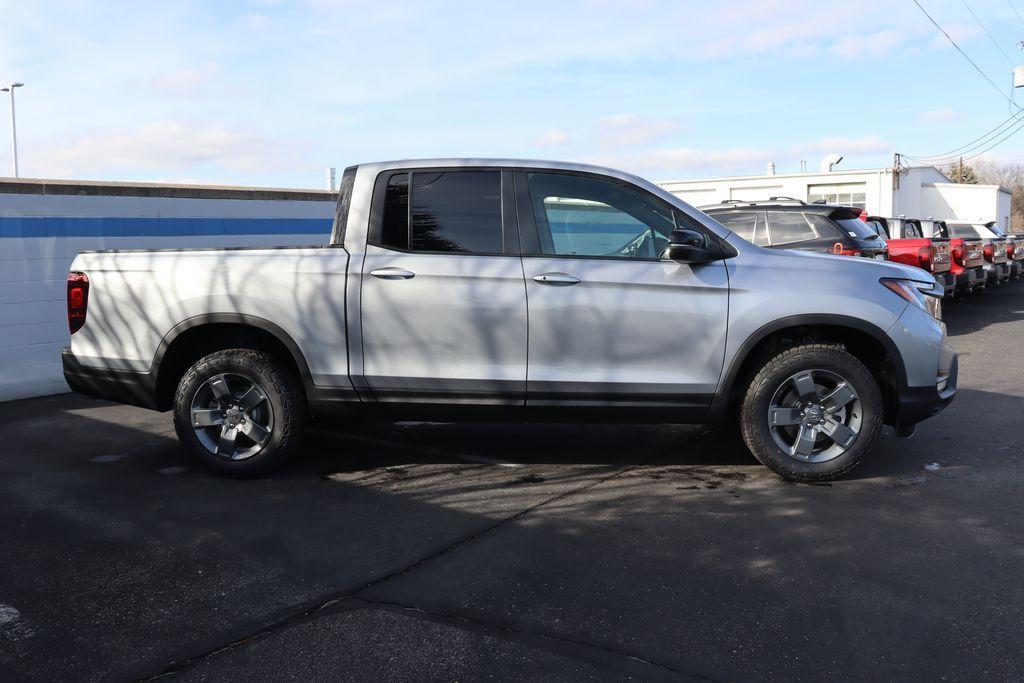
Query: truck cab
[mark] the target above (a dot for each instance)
(909, 244)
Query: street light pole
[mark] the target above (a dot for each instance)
(14, 126)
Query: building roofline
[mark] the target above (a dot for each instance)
(50, 186)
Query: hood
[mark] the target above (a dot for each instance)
(869, 267)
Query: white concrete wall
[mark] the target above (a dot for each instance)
(41, 234)
(877, 187)
(974, 203)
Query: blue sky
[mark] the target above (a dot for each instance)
(268, 92)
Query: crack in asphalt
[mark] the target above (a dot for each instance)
(304, 611)
(505, 630)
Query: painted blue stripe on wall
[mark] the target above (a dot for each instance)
(45, 226)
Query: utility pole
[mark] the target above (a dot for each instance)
(961, 169)
(14, 126)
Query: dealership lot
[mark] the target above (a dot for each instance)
(551, 551)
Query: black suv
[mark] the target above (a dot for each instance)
(787, 223)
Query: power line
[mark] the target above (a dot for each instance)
(990, 37)
(978, 153)
(1019, 116)
(1015, 12)
(971, 61)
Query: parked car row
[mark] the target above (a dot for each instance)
(963, 257)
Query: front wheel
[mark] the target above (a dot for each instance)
(812, 413)
(238, 412)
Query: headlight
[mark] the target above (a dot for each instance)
(927, 297)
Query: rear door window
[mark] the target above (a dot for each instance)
(443, 211)
(789, 227)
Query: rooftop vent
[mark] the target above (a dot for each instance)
(829, 162)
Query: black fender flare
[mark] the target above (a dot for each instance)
(237, 319)
(730, 374)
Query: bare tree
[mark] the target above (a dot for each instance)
(1010, 176)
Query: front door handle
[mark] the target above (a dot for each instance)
(393, 274)
(557, 279)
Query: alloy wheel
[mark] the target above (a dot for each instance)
(815, 415)
(232, 416)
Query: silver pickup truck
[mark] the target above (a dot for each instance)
(479, 289)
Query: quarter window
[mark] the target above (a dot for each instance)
(443, 211)
(789, 227)
(582, 216)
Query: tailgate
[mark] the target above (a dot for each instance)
(974, 254)
(941, 256)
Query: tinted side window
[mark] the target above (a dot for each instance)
(395, 223)
(966, 231)
(458, 211)
(789, 227)
(747, 224)
(582, 216)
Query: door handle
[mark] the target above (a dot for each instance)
(557, 279)
(393, 274)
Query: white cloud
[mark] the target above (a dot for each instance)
(686, 159)
(869, 144)
(552, 138)
(942, 115)
(739, 160)
(627, 130)
(188, 79)
(167, 146)
(877, 44)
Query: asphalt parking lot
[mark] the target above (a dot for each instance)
(428, 551)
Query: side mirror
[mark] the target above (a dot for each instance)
(690, 246)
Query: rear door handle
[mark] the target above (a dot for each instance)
(393, 274)
(557, 279)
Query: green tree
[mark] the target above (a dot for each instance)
(961, 174)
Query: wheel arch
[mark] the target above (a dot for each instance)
(200, 335)
(865, 341)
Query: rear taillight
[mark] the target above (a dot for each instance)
(924, 257)
(78, 300)
(989, 252)
(958, 255)
(841, 250)
(1010, 248)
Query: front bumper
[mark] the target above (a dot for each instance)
(920, 403)
(120, 386)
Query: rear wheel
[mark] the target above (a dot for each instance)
(238, 412)
(812, 413)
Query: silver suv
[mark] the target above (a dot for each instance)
(484, 288)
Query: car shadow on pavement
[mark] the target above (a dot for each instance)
(974, 312)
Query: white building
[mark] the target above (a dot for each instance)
(920, 192)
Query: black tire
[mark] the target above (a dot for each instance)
(282, 390)
(773, 376)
